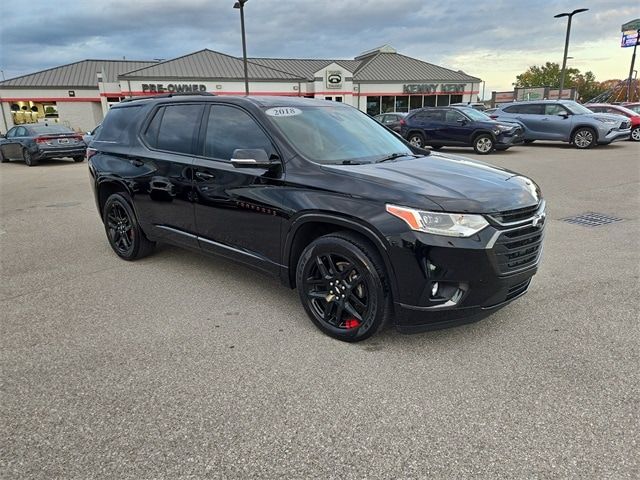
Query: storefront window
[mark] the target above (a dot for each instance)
(443, 100)
(456, 98)
(415, 101)
(373, 105)
(388, 104)
(402, 104)
(429, 101)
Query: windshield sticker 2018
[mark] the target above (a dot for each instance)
(283, 112)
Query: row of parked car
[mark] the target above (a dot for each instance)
(516, 123)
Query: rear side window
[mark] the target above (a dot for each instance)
(174, 128)
(512, 109)
(555, 109)
(229, 128)
(532, 109)
(116, 123)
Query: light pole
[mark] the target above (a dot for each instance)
(566, 44)
(240, 5)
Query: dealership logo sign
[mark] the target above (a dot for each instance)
(173, 88)
(433, 88)
(334, 79)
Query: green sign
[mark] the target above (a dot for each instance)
(632, 25)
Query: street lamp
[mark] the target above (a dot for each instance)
(240, 5)
(566, 44)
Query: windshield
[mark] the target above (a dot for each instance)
(576, 108)
(477, 115)
(336, 134)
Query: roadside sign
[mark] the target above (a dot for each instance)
(630, 33)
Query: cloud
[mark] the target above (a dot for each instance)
(493, 40)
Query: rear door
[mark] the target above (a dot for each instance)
(235, 210)
(433, 126)
(531, 115)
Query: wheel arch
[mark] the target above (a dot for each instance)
(108, 186)
(477, 133)
(307, 227)
(583, 125)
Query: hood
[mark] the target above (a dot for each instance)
(456, 184)
(608, 116)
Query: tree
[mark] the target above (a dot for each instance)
(548, 75)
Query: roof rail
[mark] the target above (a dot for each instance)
(169, 95)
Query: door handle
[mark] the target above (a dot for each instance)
(204, 176)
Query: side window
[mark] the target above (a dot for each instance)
(11, 133)
(452, 116)
(532, 109)
(554, 109)
(21, 132)
(229, 128)
(116, 123)
(434, 116)
(512, 109)
(174, 128)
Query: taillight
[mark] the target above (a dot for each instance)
(42, 139)
(402, 122)
(91, 152)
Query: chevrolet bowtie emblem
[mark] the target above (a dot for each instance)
(538, 219)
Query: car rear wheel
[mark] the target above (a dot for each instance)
(123, 231)
(417, 140)
(483, 144)
(78, 159)
(28, 158)
(341, 282)
(635, 134)
(584, 138)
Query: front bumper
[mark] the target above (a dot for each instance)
(614, 135)
(504, 140)
(475, 276)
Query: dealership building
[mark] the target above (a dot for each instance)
(377, 81)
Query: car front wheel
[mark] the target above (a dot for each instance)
(123, 231)
(341, 282)
(417, 140)
(635, 134)
(483, 144)
(584, 138)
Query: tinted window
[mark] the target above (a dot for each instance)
(431, 115)
(229, 128)
(117, 121)
(21, 132)
(531, 109)
(176, 128)
(512, 109)
(12, 132)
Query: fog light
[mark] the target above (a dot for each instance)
(434, 289)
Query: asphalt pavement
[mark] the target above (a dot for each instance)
(186, 366)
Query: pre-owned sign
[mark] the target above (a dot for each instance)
(173, 87)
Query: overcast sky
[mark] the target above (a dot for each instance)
(494, 40)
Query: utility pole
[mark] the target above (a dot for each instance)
(566, 45)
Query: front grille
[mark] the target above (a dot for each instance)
(518, 289)
(519, 248)
(518, 215)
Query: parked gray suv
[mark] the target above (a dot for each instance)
(564, 121)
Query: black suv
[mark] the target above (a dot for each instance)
(368, 228)
(461, 127)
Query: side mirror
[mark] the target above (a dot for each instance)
(564, 115)
(252, 158)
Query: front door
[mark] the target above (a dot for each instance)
(236, 209)
(11, 146)
(457, 129)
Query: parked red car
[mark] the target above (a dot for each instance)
(620, 110)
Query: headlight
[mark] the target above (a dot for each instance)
(439, 223)
(608, 121)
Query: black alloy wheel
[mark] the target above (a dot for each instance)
(28, 158)
(123, 232)
(340, 280)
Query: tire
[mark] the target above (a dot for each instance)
(123, 231)
(635, 134)
(483, 144)
(341, 281)
(3, 159)
(529, 141)
(416, 139)
(78, 159)
(583, 138)
(28, 159)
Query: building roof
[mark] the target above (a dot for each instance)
(207, 64)
(78, 74)
(389, 67)
(304, 67)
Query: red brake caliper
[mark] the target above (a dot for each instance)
(352, 323)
